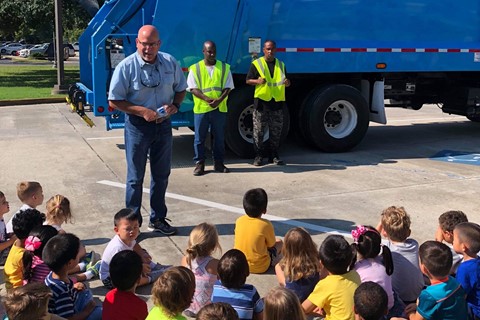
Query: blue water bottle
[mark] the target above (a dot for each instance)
(161, 112)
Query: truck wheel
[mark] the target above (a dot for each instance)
(239, 127)
(336, 118)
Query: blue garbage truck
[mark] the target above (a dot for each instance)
(344, 59)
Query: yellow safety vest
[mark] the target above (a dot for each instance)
(273, 87)
(212, 87)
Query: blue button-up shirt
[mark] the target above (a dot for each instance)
(147, 84)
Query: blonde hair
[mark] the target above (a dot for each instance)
(203, 241)
(27, 189)
(396, 223)
(282, 304)
(58, 209)
(300, 255)
(27, 302)
(173, 291)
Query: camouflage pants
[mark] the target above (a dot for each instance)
(274, 120)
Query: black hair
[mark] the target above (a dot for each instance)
(60, 250)
(24, 221)
(233, 269)
(370, 301)
(255, 202)
(125, 213)
(336, 254)
(125, 269)
(369, 245)
(436, 257)
(43, 233)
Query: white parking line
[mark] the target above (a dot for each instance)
(236, 210)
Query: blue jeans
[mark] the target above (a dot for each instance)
(216, 121)
(84, 297)
(146, 140)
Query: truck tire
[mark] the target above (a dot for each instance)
(239, 126)
(335, 118)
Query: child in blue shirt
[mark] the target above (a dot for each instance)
(445, 298)
(466, 241)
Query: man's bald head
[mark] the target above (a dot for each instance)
(148, 31)
(148, 43)
(209, 52)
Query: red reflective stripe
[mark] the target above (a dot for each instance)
(419, 50)
(332, 49)
(304, 49)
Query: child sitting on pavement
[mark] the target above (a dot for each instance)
(202, 243)
(466, 241)
(29, 302)
(6, 240)
(69, 300)
(30, 194)
(255, 236)
(407, 280)
(23, 223)
(333, 295)
(172, 294)
(446, 223)
(127, 229)
(231, 287)
(217, 311)
(59, 212)
(444, 298)
(121, 302)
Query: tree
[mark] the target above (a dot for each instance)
(34, 19)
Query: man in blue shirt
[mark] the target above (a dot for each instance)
(142, 83)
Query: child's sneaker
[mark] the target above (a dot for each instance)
(91, 259)
(94, 269)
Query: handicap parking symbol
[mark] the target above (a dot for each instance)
(457, 157)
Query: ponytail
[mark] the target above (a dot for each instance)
(27, 261)
(387, 260)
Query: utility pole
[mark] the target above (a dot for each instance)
(60, 87)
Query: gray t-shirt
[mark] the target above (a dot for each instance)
(407, 279)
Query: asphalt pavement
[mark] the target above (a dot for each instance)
(423, 160)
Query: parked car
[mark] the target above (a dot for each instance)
(71, 50)
(12, 48)
(36, 50)
(76, 46)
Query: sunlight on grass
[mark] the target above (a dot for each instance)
(31, 82)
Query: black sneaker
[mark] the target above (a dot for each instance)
(257, 162)
(162, 226)
(277, 161)
(220, 167)
(199, 169)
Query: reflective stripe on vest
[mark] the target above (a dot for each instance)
(273, 87)
(212, 86)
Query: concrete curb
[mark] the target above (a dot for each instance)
(18, 102)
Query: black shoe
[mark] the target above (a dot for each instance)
(277, 161)
(199, 168)
(220, 167)
(258, 161)
(162, 226)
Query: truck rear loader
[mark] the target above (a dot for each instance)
(343, 58)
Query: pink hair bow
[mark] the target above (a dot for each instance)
(360, 230)
(32, 243)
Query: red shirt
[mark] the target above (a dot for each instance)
(123, 305)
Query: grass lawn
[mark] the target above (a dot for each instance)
(32, 81)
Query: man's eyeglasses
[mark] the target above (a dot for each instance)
(151, 80)
(149, 44)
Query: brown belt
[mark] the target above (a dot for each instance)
(160, 120)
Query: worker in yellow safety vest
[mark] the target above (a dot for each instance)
(210, 82)
(268, 75)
